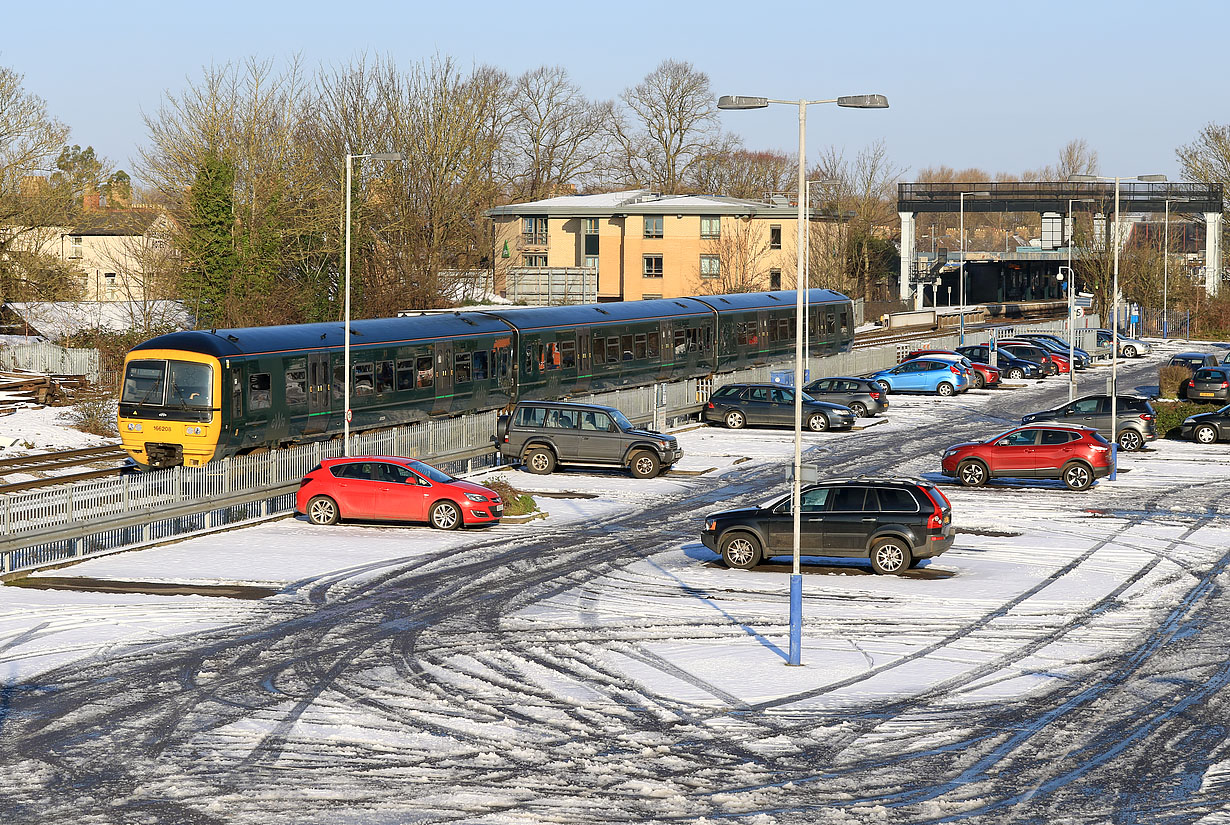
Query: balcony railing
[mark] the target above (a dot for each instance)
(534, 238)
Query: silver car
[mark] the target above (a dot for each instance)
(1128, 347)
(862, 395)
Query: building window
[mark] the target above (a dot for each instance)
(653, 266)
(711, 228)
(534, 231)
(653, 226)
(710, 266)
(651, 296)
(74, 249)
(591, 226)
(535, 260)
(591, 262)
(775, 279)
(775, 236)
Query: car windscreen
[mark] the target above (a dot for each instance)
(431, 472)
(621, 420)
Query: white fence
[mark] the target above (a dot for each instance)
(50, 358)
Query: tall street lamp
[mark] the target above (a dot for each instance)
(1114, 325)
(398, 156)
(1071, 301)
(961, 269)
(849, 102)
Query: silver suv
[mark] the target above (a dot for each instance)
(545, 434)
(1136, 418)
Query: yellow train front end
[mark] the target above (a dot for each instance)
(170, 410)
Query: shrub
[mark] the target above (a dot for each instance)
(516, 503)
(1171, 378)
(94, 414)
(1170, 415)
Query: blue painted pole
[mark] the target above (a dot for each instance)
(796, 619)
(1114, 461)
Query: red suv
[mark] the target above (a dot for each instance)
(1077, 455)
(984, 375)
(388, 488)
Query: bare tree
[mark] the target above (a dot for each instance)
(1076, 158)
(743, 174)
(1207, 158)
(670, 122)
(739, 255)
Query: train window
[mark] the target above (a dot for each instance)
(480, 365)
(612, 350)
(640, 346)
(143, 382)
(540, 355)
(425, 376)
(259, 395)
(384, 376)
(681, 342)
(363, 381)
(503, 360)
(339, 381)
(189, 384)
(653, 345)
(845, 321)
(553, 358)
(296, 381)
(529, 358)
(741, 334)
(625, 343)
(405, 374)
(598, 348)
(783, 329)
(236, 394)
(461, 362)
(694, 339)
(568, 354)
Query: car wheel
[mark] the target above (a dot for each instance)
(1130, 441)
(741, 551)
(945, 389)
(890, 556)
(1129, 351)
(979, 381)
(818, 423)
(1077, 476)
(540, 461)
(645, 465)
(860, 410)
(1015, 373)
(445, 515)
(322, 510)
(735, 420)
(1206, 434)
(972, 473)
(884, 386)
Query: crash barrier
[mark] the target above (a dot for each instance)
(50, 526)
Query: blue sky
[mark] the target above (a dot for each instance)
(988, 84)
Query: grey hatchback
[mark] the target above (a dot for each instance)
(737, 405)
(1208, 384)
(864, 396)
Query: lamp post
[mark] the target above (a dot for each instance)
(1114, 325)
(1071, 301)
(961, 269)
(346, 342)
(849, 102)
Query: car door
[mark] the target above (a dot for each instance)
(355, 489)
(1053, 451)
(821, 389)
(398, 494)
(812, 524)
(564, 434)
(1088, 412)
(781, 405)
(1013, 455)
(756, 405)
(601, 440)
(850, 520)
(908, 376)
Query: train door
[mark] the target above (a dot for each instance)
(761, 337)
(318, 392)
(666, 353)
(444, 378)
(585, 368)
(502, 367)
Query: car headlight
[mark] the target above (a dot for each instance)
(475, 497)
(1189, 420)
(949, 452)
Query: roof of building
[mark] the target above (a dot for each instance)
(641, 202)
(115, 222)
(57, 319)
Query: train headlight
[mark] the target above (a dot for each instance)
(192, 430)
(134, 426)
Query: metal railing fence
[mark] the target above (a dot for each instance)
(40, 356)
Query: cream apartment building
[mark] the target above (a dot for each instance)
(114, 249)
(633, 245)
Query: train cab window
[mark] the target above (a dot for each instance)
(479, 361)
(384, 376)
(625, 343)
(461, 365)
(296, 381)
(612, 350)
(783, 330)
(189, 384)
(405, 374)
(260, 397)
(363, 382)
(568, 354)
(845, 321)
(426, 376)
(652, 349)
(640, 346)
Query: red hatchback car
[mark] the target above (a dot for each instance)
(1076, 455)
(388, 488)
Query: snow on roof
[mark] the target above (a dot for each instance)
(637, 201)
(55, 320)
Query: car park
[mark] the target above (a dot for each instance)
(543, 435)
(1009, 367)
(1208, 428)
(739, 405)
(981, 375)
(1128, 347)
(1137, 420)
(1075, 455)
(1084, 359)
(1060, 360)
(1059, 353)
(924, 375)
(892, 523)
(862, 395)
(1208, 384)
(390, 488)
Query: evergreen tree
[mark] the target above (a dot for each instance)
(210, 264)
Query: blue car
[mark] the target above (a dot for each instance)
(924, 375)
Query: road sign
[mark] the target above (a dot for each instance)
(1079, 312)
(349, 416)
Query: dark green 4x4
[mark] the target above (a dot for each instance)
(545, 434)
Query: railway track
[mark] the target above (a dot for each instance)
(56, 461)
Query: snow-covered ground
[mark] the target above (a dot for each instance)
(652, 685)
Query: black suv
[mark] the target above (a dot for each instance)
(543, 434)
(892, 523)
